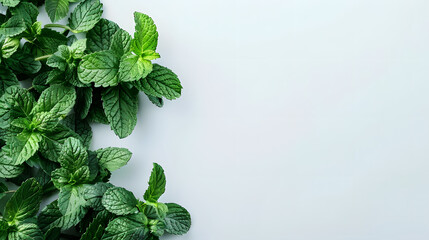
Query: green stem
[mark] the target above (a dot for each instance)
(54, 25)
(43, 57)
(11, 191)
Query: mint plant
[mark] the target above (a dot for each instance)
(88, 70)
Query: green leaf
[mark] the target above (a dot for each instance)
(83, 101)
(53, 141)
(121, 105)
(49, 40)
(57, 99)
(22, 62)
(9, 47)
(51, 217)
(94, 193)
(57, 9)
(3, 189)
(156, 100)
(45, 121)
(8, 79)
(73, 155)
(70, 199)
(24, 203)
(24, 146)
(113, 158)
(85, 15)
(145, 36)
(130, 227)
(28, 12)
(60, 177)
(119, 201)
(26, 231)
(99, 37)
(133, 67)
(100, 68)
(178, 219)
(78, 48)
(96, 228)
(121, 42)
(14, 26)
(156, 184)
(8, 170)
(10, 3)
(16, 102)
(161, 82)
(60, 58)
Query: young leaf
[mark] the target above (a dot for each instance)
(145, 36)
(57, 9)
(121, 42)
(85, 15)
(24, 203)
(133, 67)
(113, 158)
(119, 201)
(73, 155)
(156, 184)
(121, 106)
(178, 219)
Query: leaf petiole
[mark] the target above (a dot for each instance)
(43, 57)
(55, 25)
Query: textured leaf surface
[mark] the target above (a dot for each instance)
(161, 82)
(101, 68)
(73, 155)
(126, 228)
(146, 35)
(121, 105)
(86, 15)
(25, 202)
(156, 184)
(113, 158)
(178, 219)
(99, 37)
(119, 201)
(57, 99)
(24, 146)
(57, 9)
(26, 231)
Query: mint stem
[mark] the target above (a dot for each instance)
(43, 57)
(54, 25)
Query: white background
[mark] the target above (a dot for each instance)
(299, 120)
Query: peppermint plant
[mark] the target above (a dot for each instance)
(55, 81)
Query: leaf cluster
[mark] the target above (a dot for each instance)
(88, 70)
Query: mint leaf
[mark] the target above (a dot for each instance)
(161, 82)
(96, 228)
(85, 15)
(16, 102)
(24, 146)
(51, 217)
(119, 201)
(24, 203)
(100, 37)
(121, 105)
(8, 79)
(26, 231)
(53, 141)
(94, 193)
(83, 101)
(133, 67)
(100, 68)
(57, 9)
(113, 158)
(121, 42)
(8, 170)
(9, 47)
(178, 219)
(57, 99)
(70, 200)
(73, 155)
(145, 36)
(130, 227)
(156, 100)
(10, 3)
(14, 26)
(156, 184)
